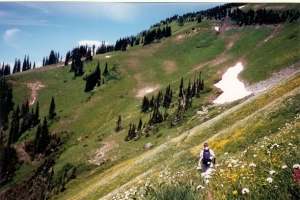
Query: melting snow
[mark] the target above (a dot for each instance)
(233, 89)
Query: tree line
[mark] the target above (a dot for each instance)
(52, 59)
(262, 16)
(26, 65)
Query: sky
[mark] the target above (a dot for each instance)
(35, 28)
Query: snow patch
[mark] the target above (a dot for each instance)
(233, 89)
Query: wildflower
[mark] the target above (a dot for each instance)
(296, 166)
(276, 145)
(206, 181)
(268, 152)
(223, 196)
(235, 192)
(230, 165)
(252, 165)
(272, 172)
(254, 155)
(245, 191)
(297, 175)
(290, 144)
(225, 153)
(200, 187)
(283, 167)
(269, 179)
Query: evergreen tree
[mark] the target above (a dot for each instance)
(24, 66)
(14, 132)
(181, 88)
(145, 105)
(9, 162)
(140, 125)
(105, 72)
(6, 103)
(180, 21)
(98, 74)
(67, 58)
(36, 116)
(119, 127)
(44, 138)
(51, 113)
(37, 138)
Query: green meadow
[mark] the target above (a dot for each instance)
(109, 167)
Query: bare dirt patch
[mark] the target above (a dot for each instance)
(101, 155)
(170, 66)
(34, 90)
(24, 156)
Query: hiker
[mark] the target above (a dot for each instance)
(207, 159)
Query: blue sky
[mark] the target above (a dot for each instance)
(36, 28)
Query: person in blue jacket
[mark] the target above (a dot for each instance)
(207, 159)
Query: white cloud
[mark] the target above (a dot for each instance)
(120, 12)
(90, 43)
(10, 35)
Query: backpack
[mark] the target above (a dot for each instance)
(206, 157)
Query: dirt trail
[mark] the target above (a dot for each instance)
(34, 90)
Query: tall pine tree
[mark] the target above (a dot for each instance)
(51, 113)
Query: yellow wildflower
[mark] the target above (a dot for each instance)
(235, 192)
(223, 196)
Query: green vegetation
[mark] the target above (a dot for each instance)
(92, 159)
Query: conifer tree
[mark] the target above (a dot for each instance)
(14, 132)
(6, 103)
(119, 127)
(98, 74)
(44, 138)
(145, 105)
(51, 113)
(105, 72)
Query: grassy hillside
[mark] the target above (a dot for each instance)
(106, 163)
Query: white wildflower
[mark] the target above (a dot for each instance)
(269, 179)
(296, 166)
(200, 187)
(245, 191)
(290, 144)
(272, 172)
(254, 155)
(252, 165)
(284, 167)
(225, 153)
(229, 165)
